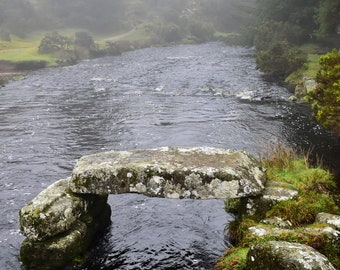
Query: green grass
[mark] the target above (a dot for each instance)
(18, 50)
(310, 68)
(235, 259)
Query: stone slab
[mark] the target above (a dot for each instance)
(170, 172)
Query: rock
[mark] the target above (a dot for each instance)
(171, 172)
(60, 226)
(286, 256)
(55, 210)
(309, 83)
(271, 195)
(278, 222)
(333, 220)
(328, 234)
(66, 248)
(278, 194)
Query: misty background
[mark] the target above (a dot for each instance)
(20, 17)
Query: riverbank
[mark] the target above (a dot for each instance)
(300, 81)
(22, 55)
(299, 213)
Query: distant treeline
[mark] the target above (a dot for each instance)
(280, 27)
(20, 17)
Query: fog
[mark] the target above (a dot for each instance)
(20, 17)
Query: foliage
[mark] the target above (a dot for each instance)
(282, 25)
(83, 39)
(280, 59)
(202, 31)
(325, 99)
(296, 14)
(54, 42)
(169, 32)
(328, 15)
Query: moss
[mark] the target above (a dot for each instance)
(232, 205)
(234, 259)
(238, 229)
(304, 209)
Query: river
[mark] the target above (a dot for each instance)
(185, 95)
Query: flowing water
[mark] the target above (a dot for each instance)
(188, 95)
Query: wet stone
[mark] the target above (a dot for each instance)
(286, 256)
(55, 210)
(66, 248)
(170, 172)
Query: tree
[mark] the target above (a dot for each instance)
(279, 59)
(297, 13)
(325, 99)
(54, 42)
(328, 17)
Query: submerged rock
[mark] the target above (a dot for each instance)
(286, 256)
(171, 172)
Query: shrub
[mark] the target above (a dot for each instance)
(201, 31)
(280, 59)
(325, 99)
(54, 42)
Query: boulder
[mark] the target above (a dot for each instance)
(170, 172)
(286, 256)
(55, 210)
(309, 83)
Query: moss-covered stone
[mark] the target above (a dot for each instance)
(55, 210)
(66, 248)
(172, 172)
(286, 256)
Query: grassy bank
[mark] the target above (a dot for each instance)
(314, 185)
(309, 69)
(19, 50)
